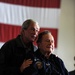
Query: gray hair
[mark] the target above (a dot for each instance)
(27, 23)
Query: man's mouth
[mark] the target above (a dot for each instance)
(34, 36)
(49, 46)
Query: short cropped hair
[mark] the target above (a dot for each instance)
(27, 23)
(39, 39)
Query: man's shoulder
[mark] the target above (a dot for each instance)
(11, 42)
(56, 57)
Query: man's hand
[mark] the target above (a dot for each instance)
(25, 64)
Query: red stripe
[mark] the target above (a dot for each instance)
(35, 3)
(8, 32)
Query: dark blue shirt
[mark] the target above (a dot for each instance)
(43, 66)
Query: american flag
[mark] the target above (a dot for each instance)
(14, 12)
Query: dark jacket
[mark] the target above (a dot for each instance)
(12, 55)
(42, 66)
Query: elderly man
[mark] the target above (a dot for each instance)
(44, 61)
(13, 55)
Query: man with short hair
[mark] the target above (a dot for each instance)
(14, 52)
(44, 61)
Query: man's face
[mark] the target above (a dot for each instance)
(31, 32)
(47, 44)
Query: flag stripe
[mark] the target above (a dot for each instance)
(8, 32)
(15, 30)
(13, 14)
(35, 3)
(1, 43)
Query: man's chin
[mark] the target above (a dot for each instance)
(48, 52)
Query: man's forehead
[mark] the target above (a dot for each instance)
(49, 35)
(35, 26)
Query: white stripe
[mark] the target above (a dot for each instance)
(55, 50)
(16, 14)
(1, 43)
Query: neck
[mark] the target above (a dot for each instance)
(46, 54)
(25, 42)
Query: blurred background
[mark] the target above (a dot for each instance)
(58, 16)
